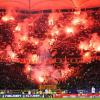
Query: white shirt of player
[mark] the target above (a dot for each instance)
(93, 89)
(46, 91)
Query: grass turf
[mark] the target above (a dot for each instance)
(49, 98)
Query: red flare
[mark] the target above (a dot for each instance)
(7, 18)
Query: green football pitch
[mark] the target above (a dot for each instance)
(49, 99)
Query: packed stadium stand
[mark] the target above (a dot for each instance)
(58, 48)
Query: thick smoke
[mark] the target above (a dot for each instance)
(34, 47)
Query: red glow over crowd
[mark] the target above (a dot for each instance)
(36, 50)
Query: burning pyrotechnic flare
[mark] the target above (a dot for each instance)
(84, 45)
(78, 20)
(33, 58)
(7, 18)
(18, 28)
(70, 31)
(28, 68)
(51, 41)
(95, 42)
(87, 57)
(24, 38)
(97, 49)
(12, 55)
(41, 79)
(51, 22)
(34, 41)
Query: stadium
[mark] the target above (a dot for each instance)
(49, 49)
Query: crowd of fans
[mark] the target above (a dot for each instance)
(12, 76)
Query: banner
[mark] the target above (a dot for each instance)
(54, 96)
(19, 96)
(76, 95)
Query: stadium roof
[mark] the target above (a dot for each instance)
(48, 4)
